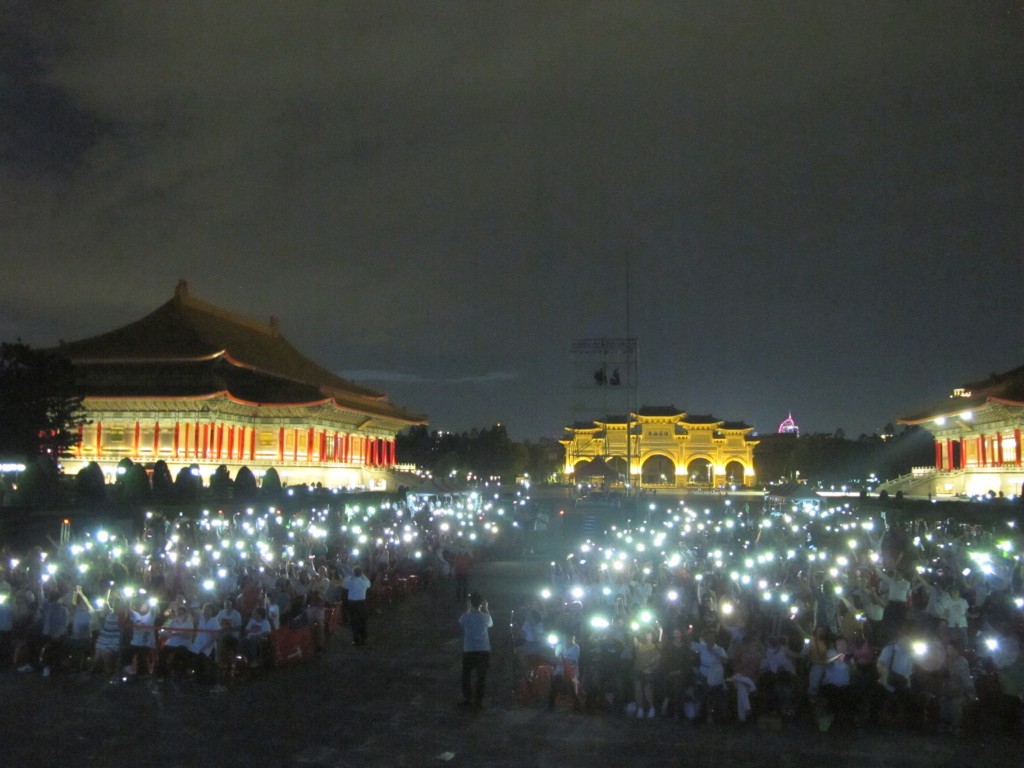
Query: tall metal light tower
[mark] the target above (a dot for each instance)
(604, 384)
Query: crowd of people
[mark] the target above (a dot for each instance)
(187, 596)
(839, 615)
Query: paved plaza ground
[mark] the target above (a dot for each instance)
(394, 703)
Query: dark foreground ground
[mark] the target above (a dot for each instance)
(394, 704)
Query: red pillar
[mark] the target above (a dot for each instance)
(156, 439)
(136, 440)
(984, 453)
(938, 454)
(99, 437)
(999, 448)
(280, 444)
(231, 443)
(1016, 446)
(949, 453)
(177, 438)
(963, 453)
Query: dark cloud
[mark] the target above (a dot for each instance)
(821, 204)
(44, 131)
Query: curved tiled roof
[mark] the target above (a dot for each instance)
(1002, 388)
(189, 347)
(659, 410)
(703, 420)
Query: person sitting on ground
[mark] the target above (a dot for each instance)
(230, 622)
(180, 633)
(836, 690)
(895, 667)
(778, 673)
(204, 645)
(745, 654)
(316, 614)
(957, 690)
(709, 694)
(675, 673)
(256, 638)
(815, 652)
(565, 678)
(955, 613)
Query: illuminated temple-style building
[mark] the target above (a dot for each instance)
(668, 448)
(192, 383)
(977, 432)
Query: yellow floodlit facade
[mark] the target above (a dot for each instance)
(979, 450)
(663, 447)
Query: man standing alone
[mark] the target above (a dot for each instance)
(356, 586)
(476, 650)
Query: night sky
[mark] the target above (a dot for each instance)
(821, 204)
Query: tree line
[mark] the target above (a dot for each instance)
(485, 453)
(834, 459)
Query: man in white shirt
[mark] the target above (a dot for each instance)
(895, 667)
(230, 622)
(356, 587)
(202, 648)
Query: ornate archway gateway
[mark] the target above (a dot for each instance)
(670, 438)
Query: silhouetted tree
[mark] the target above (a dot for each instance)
(40, 483)
(220, 483)
(245, 485)
(90, 485)
(40, 409)
(137, 489)
(188, 484)
(163, 483)
(271, 487)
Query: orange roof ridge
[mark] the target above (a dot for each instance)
(186, 299)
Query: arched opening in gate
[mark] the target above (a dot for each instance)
(617, 465)
(698, 473)
(658, 470)
(734, 473)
